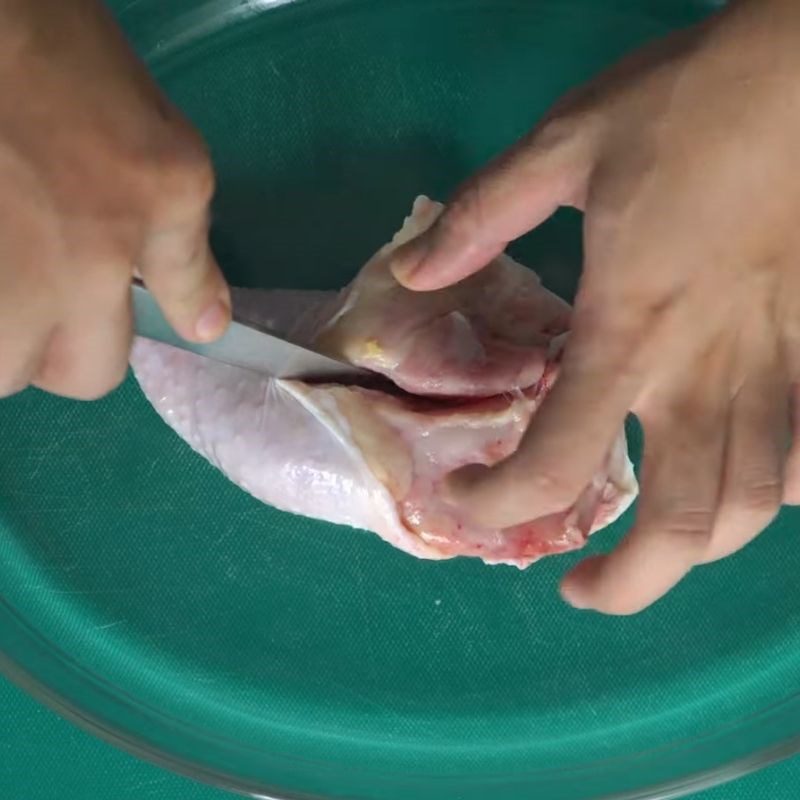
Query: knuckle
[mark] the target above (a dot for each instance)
(759, 499)
(689, 528)
(554, 131)
(187, 173)
(615, 351)
(174, 174)
(186, 287)
(194, 177)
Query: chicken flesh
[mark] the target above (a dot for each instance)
(472, 362)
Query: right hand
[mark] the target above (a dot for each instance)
(688, 309)
(102, 177)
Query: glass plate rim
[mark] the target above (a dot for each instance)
(696, 781)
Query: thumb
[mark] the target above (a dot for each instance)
(180, 270)
(516, 192)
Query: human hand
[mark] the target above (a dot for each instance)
(688, 312)
(101, 175)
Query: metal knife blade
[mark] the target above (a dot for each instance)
(244, 345)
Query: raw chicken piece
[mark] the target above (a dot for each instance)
(374, 460)
(487, 334)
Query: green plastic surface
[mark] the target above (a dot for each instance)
(53, 760)
(145, 595)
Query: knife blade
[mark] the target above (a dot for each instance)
(245, 345)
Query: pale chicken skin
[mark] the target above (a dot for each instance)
(489, 334)
(475, 361)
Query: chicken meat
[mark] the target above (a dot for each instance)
(471, 364)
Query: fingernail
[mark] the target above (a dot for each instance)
(213, 321)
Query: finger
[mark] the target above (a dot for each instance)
(87, 356)
(791, 486)
(515, 193)
(682, 473)
(180, 270)
(20, 356)
(568, 437)
(754, 465)
(26, 323)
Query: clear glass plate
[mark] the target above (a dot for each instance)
(154, 603)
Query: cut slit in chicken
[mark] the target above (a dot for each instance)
(474, 360)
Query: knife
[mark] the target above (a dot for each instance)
(246, 345)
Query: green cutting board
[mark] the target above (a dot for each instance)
(325, 117)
